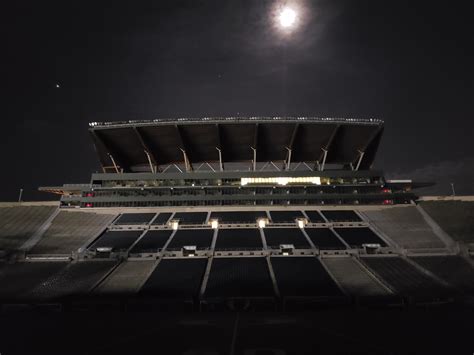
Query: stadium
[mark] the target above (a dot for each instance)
(219, 227)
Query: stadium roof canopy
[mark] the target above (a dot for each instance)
(131, 145)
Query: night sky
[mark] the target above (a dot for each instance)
(409, 63)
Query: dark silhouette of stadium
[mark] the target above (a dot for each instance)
(262, 217)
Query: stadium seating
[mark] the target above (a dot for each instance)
(76, 279)
(341, 216)
(277, 236)
(17, 280)
(353, 278)
(454, 217)
(238, 216)
(152, 241)
(201, 238)
(324, 238)
(303, 277)
(162, 218)
(135, 218)
(190, 217)
(71, 230)
(19, 223)
(239, 277)
(355, 237)
(285, 216)
(454, 269)
(315, 217)
(117, 240)
(175, 278)
(127, 278)
(404, 277)
(238, 239)
(405, 226)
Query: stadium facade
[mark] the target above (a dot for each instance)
(237, 214)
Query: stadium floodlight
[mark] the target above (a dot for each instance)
(174, 224)
(214, 223)
(302, 222)
(262, 222)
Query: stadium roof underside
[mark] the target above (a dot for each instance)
(133, 145)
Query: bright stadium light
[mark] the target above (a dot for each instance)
(174, 224)
(301, 222)
(262, 222)
(287, 17)
(214, 223)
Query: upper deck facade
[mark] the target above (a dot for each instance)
(236, 161)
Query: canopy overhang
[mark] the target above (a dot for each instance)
(132, 145)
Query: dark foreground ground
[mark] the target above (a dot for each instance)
(439, 330)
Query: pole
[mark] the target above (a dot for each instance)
(452, 187)
(19, 196)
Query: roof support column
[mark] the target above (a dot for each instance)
(113, 162)
(187, 164)
(325, 154)
(288, 161)
(361, 156)
(221, 165)
(254, 162)
(152, 168)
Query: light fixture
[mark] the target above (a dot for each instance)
(214, 223)
(302, 222)
(174, 224)
(262, 222)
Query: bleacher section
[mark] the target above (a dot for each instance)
(19, 223)
(341, 216)
(76, 279)
(190, 217)
(277, 236)
(201, 238)
(238, 216)
(127, 278)
(455, 217)
(17, 280)
(303, 277)
(355, 237)
(405, 226)
(315, 217)
(162, 218)
(135, 218)
(404, 277)
(238, 239)
(324, 238)
(175, 278)
(152, 241)
(285, 216)
(353, 278)
(117, 240)
(239, 277)
(71, 230)
(455, 270)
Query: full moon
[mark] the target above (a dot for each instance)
(287, 17)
